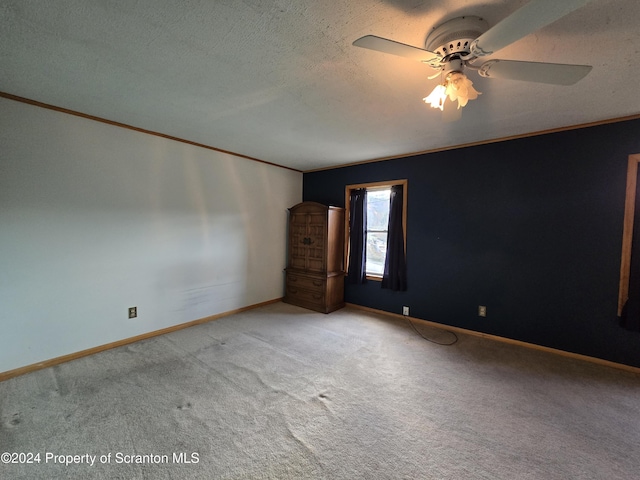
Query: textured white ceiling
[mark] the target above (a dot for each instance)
(280, 81)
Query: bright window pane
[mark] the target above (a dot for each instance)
(376, 252)
(377, 224)
(378, 209)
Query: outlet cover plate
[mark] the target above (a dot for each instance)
(133, 312)
(405, 310)
(482, 311)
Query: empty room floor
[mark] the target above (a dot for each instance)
(281, 392)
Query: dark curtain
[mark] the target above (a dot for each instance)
(395, 264)
(357, 236)
(630, 318)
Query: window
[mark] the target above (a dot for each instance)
(377, 224)
(377, 229)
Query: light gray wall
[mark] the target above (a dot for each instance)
(95, 219)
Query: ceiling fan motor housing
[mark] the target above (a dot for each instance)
(455, 36)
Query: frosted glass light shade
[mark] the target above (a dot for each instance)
(437, 97)
(460, 88)
(457, 87)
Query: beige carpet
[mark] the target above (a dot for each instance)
(285, 393)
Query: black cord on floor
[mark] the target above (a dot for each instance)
(428, 339)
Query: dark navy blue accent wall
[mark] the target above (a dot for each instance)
(531, 228)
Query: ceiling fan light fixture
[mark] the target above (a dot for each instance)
(437, 97)
(460, 88)
(457, 87)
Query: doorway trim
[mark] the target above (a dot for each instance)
(627, 232)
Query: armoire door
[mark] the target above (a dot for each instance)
(297, 241)
(307, 241)
(316, 234)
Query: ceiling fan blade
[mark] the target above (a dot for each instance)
(553, 73)
(531, 17)
(385, 45)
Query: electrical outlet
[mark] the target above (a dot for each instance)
(482, 311)
(405, 310)
(133, 312)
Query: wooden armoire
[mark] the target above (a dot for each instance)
(315, 258)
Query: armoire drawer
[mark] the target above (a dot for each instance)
(302, 281)
(315, 297)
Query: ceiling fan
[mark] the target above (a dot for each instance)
(456, 44)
